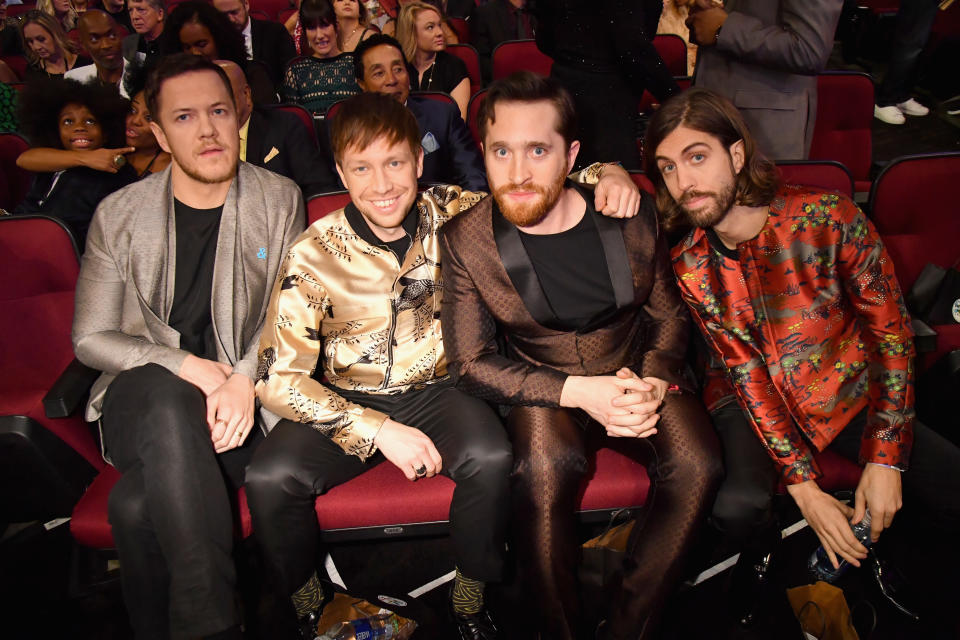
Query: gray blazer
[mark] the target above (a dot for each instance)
(125, 288)
(766, 61)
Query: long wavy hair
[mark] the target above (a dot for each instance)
(703, 110)
(52, 26)
(407, 26)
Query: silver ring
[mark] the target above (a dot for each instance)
(421, 471)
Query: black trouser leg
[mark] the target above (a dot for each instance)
(914, 21)
(175, 503)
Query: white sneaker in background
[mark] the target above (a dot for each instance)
(913, 108)
(890, 115)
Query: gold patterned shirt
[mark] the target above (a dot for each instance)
(348, 309)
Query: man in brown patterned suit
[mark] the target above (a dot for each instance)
(595, 334)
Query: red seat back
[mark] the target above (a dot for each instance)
(520, 55)
(269, 7)
(14, 10)
(260, 14)
(17, 63)
(473, 109)
(673, 51)
(643, 182)
(462, 27)
(324, 203)
(304, 116)
(284, 15)
(470, 58)
(843, 131)
(823, 174)
(438, 96)
(14, 181)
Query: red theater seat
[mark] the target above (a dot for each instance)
(462, 28)
(470, 58)
(823, 174)
(304, 116)
(324, 203)
(473, 108)
(270, 7)
(17, 63)
(519, 55)
(673, 52)
(14, 181)
(843, 131)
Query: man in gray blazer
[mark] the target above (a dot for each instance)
(764, 55)
(171, 299)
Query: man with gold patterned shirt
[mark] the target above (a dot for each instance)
(357, 303)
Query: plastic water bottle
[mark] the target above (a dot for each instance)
(383, 625)
(819, 563)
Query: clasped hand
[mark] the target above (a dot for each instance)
(624, 404)
(230, 400)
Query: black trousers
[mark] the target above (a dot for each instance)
(170, 511)
(683, 462)
(296, 463)
(743, 509)
(914, 21)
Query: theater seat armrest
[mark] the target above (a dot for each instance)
(924, 337)
(69, 390)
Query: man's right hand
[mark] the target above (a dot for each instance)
(207, 375)
(595, 395)
(830, 520)
(408, 448)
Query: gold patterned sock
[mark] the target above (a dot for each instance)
(467, 595)
(308, 598)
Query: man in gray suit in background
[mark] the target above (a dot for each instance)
(170, 303)
(763, 55)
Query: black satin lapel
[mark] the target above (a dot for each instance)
(520, 269)
(618, 265)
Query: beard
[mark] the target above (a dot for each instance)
(712, 213)
(210, 176)
(530, 213)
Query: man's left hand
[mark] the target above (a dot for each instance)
(880, 490)
(230, 412)
(616, 194)
(704, 25)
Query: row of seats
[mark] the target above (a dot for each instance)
(40, 261)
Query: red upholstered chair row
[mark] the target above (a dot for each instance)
(843, 131)
(826, 174)
(17, 63)
(14, 181)
(45, 462)
(912, 204)
(519, 55)
(270, 7)
(14, 10)
(461, 27)
(470, 58)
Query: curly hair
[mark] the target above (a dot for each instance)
(228, 41)
(42, 101)
(52, 26)
(135, 76)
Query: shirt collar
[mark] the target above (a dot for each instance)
(359, 224)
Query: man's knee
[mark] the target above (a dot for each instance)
(272, 475)
(489, 459)
(127, 508)
(739, 512)
(158, 391)
(538, 469)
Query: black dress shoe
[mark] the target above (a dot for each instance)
(475, 626)
(307, 625)
(751, 581)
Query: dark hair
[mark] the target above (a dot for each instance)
(366, 117)
(526, 86)
(177, 65)
(375, 40)
(42, 101)
(711, 113)
(317, 13)
(361, 12)
(136, 74)
(226, 38)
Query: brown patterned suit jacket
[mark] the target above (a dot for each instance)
(491, 293)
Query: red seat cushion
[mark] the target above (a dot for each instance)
(89, 524)
(838, 472)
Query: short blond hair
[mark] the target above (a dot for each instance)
(407, 26)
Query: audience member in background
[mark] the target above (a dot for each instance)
(7, 74)
(764, 55)
(595, 335)
(278, 141)
(50, 52)
(352, 23)
(604, 56)
(327, 75)
(263, 40)
(295, 29)
(10, 43)
(143, 46)
(421, 36)
(449, 33)
(811, 345)
(914, 22)
(170, 302)
(495, 22)
(673, 20)
(450, 155)
(197, 28)
(118, 11)
(63, 11)
(100, 36)
(76, 119)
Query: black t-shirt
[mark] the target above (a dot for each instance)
(445, 74)
(197, 231)
(572, 270)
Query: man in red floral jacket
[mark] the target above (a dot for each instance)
(797, 300)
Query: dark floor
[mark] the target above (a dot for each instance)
(43, 590)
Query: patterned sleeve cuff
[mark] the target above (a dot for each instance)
(357, 439)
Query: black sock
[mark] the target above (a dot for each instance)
(467, 595)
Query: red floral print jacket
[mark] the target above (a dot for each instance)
(809, 324)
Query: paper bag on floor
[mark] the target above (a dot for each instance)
(345, 607)
(822, 611)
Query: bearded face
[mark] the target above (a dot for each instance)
(527, 204)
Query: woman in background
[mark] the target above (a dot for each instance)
(352, 23)
(79, 119)
(326, 77)
(449, 33)
(420, 32)
(50, 52)
(62, 11)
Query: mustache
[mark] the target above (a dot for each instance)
(539, 189)
(693, 195)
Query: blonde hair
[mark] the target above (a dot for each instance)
(407, 26)
(69, 21)
(53, 27)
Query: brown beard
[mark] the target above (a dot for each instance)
(525, 215)
(709, 216)
(216, 179)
